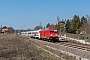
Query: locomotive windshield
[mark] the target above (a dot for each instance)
(53, 31)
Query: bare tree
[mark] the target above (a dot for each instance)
(11, 30)
(37, 27)
(88, 19)
(88, 25)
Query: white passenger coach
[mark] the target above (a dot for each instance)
(32, 34)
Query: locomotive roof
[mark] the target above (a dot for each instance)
(31, 31)
(34, 31)
(48, 28)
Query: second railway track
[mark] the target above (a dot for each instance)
(76, 46)
(72, 45)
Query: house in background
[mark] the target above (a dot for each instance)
(4, 30)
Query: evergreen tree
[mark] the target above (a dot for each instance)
(75, 24)
(67, 26)
(83, 20)
(84, 24)
(48, 25)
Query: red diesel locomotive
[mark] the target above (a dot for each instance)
(50, 34)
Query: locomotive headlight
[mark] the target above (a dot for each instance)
(51, 35)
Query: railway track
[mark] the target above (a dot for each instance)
(76, 46)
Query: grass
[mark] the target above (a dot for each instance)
(15, 47)
(47, 56)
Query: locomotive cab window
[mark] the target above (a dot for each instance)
(53, 31)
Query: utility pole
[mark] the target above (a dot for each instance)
(40, 25)
(59, 25)
(1, 26)
(1, 29)
(65, 26)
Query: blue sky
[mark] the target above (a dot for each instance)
(29, 13)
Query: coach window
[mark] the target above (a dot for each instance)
(29, 33)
